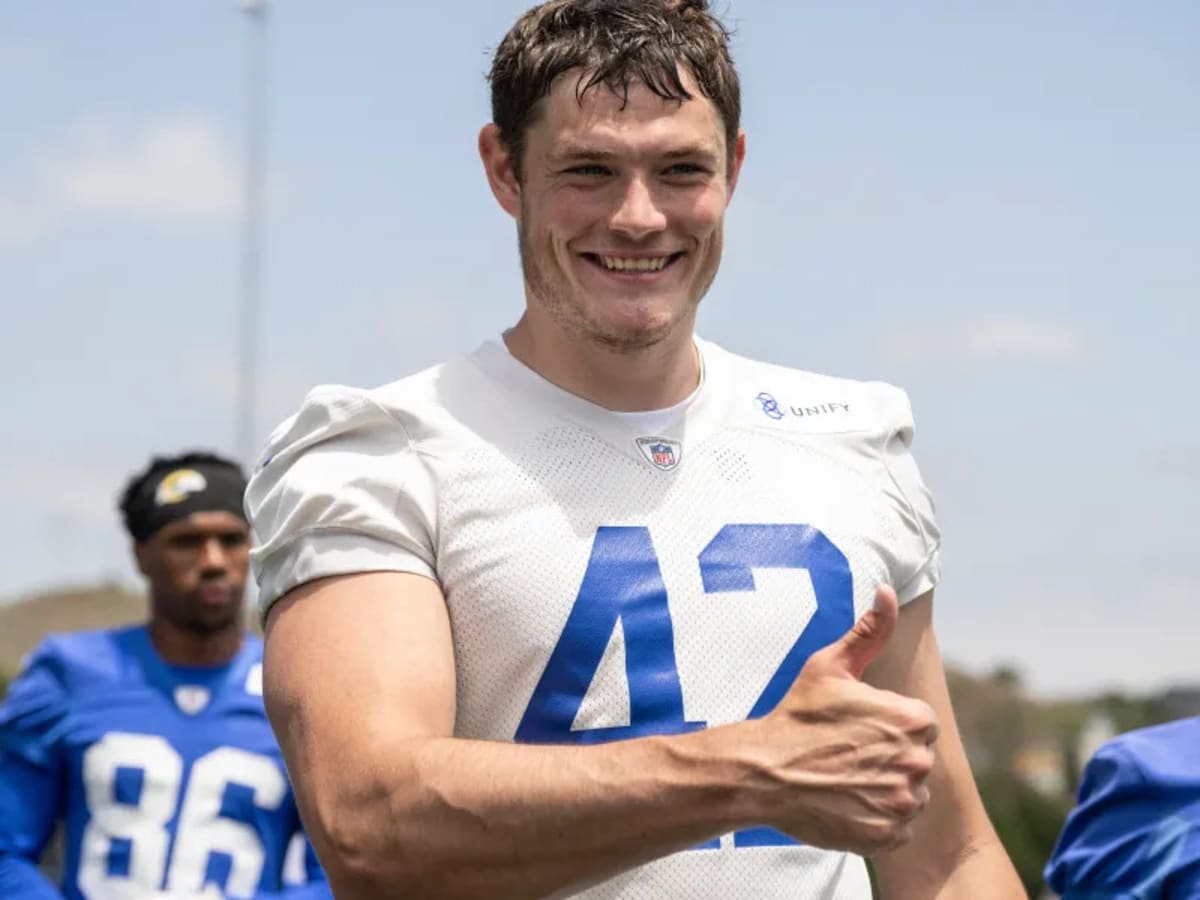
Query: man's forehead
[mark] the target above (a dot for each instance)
(205, 522)
(573, 122)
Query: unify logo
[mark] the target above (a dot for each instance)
(772, 410)
(770, 406)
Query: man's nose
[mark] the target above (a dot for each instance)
(638, 216)
(212, 555)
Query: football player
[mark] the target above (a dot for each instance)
(1135, 831)
(588, 611)
(149, 743)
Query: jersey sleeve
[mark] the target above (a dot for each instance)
(1185, 881)
(1123, 838)
(31, 722)
(916, 567)
(341, 490)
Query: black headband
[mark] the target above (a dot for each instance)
(177, 493)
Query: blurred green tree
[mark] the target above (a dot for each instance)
(1027, 821)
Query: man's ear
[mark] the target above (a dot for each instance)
(142, 559)
(735, 163)
(501, 171)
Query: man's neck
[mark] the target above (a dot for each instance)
(655, 377)
(180, 647)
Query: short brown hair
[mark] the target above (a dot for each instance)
(614, 43)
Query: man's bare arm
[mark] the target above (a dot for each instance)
(360, 690)
(954, 852)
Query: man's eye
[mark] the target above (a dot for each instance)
(587, 170)
(685, 169)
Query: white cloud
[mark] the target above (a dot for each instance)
(988, 340)
(178, 170)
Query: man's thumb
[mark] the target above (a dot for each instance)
(858, 647)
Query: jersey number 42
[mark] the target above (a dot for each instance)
(623, 582)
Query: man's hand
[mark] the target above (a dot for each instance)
(845, 763)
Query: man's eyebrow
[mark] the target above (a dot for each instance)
(572, 151)
(692, 150)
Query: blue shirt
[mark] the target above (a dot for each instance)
(167, 778)
(1135, 832)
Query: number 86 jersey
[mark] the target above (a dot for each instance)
(610, 575)
(167, 778)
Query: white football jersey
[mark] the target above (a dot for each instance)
(606, 582)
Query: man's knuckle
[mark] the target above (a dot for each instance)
(905, 804)
(921, 716)
(920, 762)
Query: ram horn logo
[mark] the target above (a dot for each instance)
(178, 486)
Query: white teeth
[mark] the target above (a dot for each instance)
(638, 264)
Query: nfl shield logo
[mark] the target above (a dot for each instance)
(663, 453)
(191, 698)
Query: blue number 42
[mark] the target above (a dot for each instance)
(623, 583)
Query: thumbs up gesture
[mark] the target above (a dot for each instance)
(843, 764)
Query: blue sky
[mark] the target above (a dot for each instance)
(995, 208)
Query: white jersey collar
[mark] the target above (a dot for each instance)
(633, 432)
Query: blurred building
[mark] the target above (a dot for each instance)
(1041, 764)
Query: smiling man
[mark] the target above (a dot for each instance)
(150, 743)
(604, 609)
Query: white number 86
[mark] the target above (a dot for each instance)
(201, 829)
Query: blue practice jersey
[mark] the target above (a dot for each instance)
(1135, 832)
(167, 778)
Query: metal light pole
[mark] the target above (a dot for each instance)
(252, 236)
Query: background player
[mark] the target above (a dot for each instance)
(518, 587)
(1136, 829)
(150, 743)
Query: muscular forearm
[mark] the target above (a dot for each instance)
(397, 808)
(468, 818)
(980, 871)
(985, 873)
